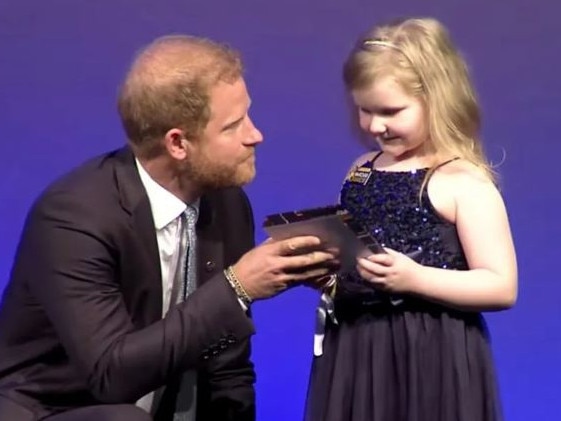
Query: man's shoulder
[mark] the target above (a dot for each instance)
(87, 173)
(90, 185)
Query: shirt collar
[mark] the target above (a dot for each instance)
(166, 207)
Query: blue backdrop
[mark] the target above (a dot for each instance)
(62, 60)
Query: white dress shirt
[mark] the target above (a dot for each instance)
(171, 233)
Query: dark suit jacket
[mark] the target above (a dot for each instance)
(81, 318)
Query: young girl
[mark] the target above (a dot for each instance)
(406, 340)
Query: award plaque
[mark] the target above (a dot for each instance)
(333, 225)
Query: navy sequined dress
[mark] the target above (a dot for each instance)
(402, 360)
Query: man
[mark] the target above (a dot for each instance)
(101, 319)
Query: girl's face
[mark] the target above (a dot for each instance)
(395, 119)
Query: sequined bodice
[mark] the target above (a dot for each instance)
(388, 204)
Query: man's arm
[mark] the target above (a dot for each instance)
(231, 375)
(229, 388)
(71, 265)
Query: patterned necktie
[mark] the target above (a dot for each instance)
(190, 273)
(185, 409)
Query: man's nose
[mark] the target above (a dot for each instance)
(255, 135)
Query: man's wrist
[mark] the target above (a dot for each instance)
(236, 285)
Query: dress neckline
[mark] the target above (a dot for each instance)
(370, 164)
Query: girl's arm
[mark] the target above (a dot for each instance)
(483, 228)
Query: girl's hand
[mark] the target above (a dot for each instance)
(391, 271)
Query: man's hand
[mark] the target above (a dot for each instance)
(276, 265)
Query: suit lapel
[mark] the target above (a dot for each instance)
(210, 256)
(134, 201)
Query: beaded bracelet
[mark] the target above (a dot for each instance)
(237, 286)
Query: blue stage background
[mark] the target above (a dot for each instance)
(62, 60)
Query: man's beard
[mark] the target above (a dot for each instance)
(207, 174)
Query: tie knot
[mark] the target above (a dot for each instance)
(191, 215)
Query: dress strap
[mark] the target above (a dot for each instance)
(375, 158)
(445, 162)
(433, 170)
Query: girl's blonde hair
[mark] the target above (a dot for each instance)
(420, 56)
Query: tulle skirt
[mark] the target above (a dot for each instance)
(411, 362)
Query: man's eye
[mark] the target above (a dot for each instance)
(233, 126)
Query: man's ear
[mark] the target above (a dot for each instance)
(176, 144)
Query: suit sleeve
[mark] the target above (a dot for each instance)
(231, 376)
(71, 265)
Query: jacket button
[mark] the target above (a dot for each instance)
(209, 266)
